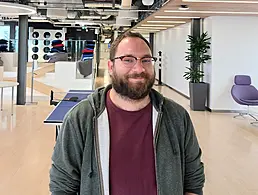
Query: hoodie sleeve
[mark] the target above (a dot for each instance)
(67, 160)
(194, 169)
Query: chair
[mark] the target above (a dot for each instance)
(85, 67)
(58, 57)
(245, 94)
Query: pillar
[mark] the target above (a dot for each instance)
(22, 59)
(151, 38)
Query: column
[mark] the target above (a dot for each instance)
(97, 53)
(22, 59)
(12, 31)
(12, 37)
(196, 27)
(151, 37)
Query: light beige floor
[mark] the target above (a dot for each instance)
(230, 149)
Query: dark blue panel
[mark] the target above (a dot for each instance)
(66, 104)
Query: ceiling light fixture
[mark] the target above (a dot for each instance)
(146, 30)
(163, 21)
(218, 1)
(158, 25)
(181, 17)
(183, 7)
(14, 9)
(210, 12)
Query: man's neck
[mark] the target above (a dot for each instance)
(126, 103)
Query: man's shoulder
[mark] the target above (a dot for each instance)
(174, 108)
(89, 105)
(80, 110)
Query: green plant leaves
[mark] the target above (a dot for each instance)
(193, 75)
(196, 54)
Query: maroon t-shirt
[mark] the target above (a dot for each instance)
(132, 165)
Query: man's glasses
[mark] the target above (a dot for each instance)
(130, 61)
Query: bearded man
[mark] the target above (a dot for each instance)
(126, 138)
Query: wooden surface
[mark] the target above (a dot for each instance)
(241, 8)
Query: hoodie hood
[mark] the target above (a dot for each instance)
(98, 99)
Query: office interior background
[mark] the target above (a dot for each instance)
(50, 47)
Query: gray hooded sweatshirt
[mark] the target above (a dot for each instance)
(80, 161)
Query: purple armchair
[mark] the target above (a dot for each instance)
(245, 94)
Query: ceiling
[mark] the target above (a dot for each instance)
(131, 14)
(115, 14)
(177, 12)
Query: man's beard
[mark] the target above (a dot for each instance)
(132, 90)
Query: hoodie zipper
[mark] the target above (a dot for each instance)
(98, 157)
(96, 141)
(156, 133)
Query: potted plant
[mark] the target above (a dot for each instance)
(197, 56)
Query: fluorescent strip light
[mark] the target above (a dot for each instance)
(147, 29)
(158, 25)
(218, 1)
(185, 17)
(155, 28)
(143, 33)
(210, 12)
(172, 22)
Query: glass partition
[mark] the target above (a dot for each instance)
(43, 49)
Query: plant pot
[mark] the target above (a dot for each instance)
(198, 96)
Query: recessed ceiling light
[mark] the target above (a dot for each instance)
(218, 1)
(183, 7)
(210, 12)
(185, 17)
(161, 25)
(164, 21)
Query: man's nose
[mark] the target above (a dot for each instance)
(138, 67)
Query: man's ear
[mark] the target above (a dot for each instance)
(110, 66)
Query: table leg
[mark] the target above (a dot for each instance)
(2, 98)
(12, 98)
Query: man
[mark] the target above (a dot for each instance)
(126, 138)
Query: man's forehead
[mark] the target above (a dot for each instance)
(129, 44)
(132, 40)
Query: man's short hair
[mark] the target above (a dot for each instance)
(115, 44)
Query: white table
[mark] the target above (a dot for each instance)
(6, 84)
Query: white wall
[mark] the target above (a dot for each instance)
(234, 51)
(172, 43)
(207, 68)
